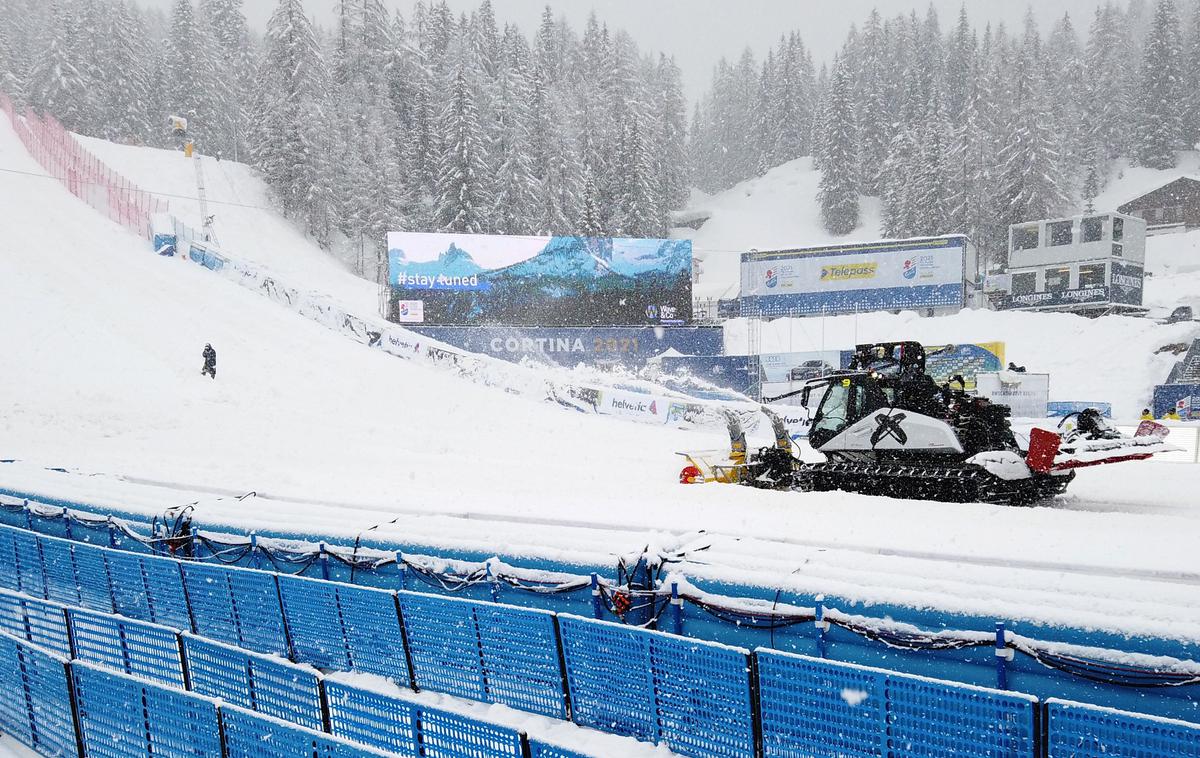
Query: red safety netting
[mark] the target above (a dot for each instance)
(82, 173)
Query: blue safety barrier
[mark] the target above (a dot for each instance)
(542, 749)
(150, 589)
(690, 695)
(252, 735)
(258, 682)
(815, 707)
(404, 726)
(21, 562)
(122, 716)
(484, 651)
(36, 703)
(1076, 730)
(91, 574)
(344, 627)
(237, 606)
(695, 697)
(133, 647)
(40, 622)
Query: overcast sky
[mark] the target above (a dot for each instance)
(699, 32)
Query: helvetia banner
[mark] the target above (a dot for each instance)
(482, 279)
(894, 275)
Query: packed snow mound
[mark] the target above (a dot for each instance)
(778, 209)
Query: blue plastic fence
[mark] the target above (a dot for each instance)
(257, 682)
(543, 749)
(36, 704)
(252, 735)
(691, 695)
(698, 698)
(1146, 688)
(393, 723)
(1076, 730)
(815, 707)
(133, 647)
(40, 622)
(236, 606)
(344, 627)
(150, 588)
(485, 651)
(122, 716)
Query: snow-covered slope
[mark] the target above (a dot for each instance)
(101, 376)
(774, 210)
(243, 218)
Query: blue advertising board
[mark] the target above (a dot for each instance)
(1055, 409)
(492, 280)
(728, 372)
(1184, 399)
(1126, 287)
(630, 347)
(855, 278)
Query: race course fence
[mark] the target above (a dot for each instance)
(84, 175)
(128, 686)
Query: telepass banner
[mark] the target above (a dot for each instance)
(896, 275)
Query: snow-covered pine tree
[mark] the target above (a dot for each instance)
(291, 131)
(194, 88)
(1103, 112)
(590, 219)
(669, 153)
(124, 97)
(1033, 181)
(1160, 119)
(819, 129)
(56, 86)
(516, 199)
(637, 212)
(839, 179)
(1064, 80)
(560, 173)
(900, 214)
(1191, 79)
(462, 202)
(11, 81)
(961, 66)
(485, 39)
(234, 64)
(870, 102)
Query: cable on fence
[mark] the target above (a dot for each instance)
(1101, 672)
(772, 619)
(908, 640)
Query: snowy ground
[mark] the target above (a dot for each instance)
(102, 377)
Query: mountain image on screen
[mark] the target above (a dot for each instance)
(571, 281)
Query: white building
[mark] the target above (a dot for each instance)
(1090, 263)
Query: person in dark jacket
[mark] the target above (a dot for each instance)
(210, 361)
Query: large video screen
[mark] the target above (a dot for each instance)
(480, 279)
(879, 276)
